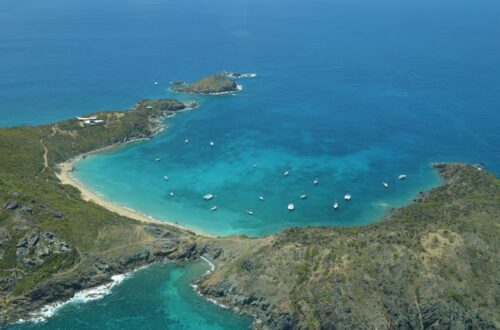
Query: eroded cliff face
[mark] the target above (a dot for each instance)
(432, 264)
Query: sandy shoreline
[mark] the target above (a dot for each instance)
(64, 175)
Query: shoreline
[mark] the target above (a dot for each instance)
(64, 175)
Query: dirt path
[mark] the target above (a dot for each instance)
(45, 153)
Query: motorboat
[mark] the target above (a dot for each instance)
(208, 197)
(165, 178)
(402, 177)
(261, 198)
(347, 197)
(213, 208)
(249, 212)
(335, 205)
(386, 185)
(316, 181)
(303, 196)
(291, 207)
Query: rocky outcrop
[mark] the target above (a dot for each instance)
(215, 84)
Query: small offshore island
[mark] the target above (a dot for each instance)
(431, 264)
(216, 84)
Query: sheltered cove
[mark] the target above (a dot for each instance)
(405, 262)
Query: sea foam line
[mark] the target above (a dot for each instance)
(83, 296)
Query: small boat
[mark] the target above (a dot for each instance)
(386, 185)
(347, 197)
(402, 177)
(291, 207)
(316, 181)
(165, 178)
(186, 141)
(303, 196)
(212, 143)
(171, 194)
(156, 83)
(261, 198)
(208, 197)
(157, 159)
(335, 205)
(254, 165)
(286, 173)
(249, 212)
(213, 208)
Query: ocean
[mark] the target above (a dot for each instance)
(353, 93)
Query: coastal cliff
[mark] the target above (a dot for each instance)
(431, 264)
(216, 84)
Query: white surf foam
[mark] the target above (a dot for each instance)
(83, 296)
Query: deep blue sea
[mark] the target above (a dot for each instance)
(353, 93)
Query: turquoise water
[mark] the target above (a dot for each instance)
(157, 297)
(351, 92)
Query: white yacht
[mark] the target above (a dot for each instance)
(186, 141)
(386, 185)
(291, 207)
(249, 212)
(335, 205)
(286, 173)
(402, 177)
(157, 159)
(165, 178)
(208, 197)
(347, 197)
(171, 194)
(213, 208)
(156, 83)
(303, 196)
(316, 181)
(212, 143)
(261, 198)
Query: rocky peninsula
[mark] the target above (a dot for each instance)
(431, 264)
(216, 84)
